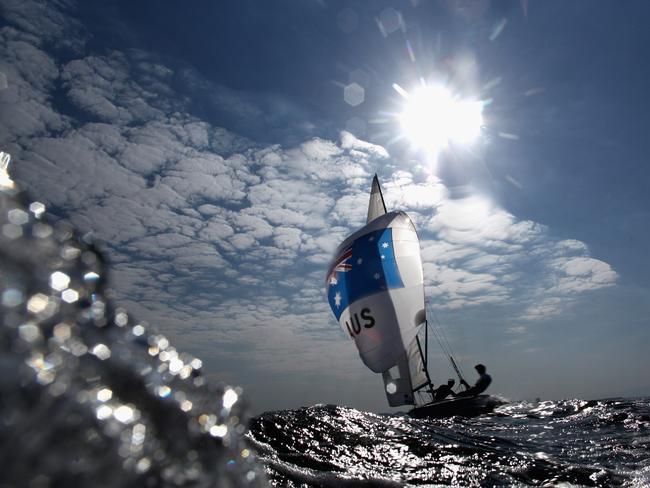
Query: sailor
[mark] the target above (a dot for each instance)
(443, 391)
(481, 384)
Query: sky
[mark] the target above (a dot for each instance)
(219, 152)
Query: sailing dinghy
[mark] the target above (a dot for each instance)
(375, 287)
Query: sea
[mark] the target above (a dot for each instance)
(565, 443)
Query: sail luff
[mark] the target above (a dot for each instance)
(376, 206)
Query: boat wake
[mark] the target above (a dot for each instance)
(564, 443)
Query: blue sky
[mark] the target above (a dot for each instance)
(211, 151)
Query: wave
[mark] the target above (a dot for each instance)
(550, 443)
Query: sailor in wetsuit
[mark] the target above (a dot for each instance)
(481, 384)
(443, 391)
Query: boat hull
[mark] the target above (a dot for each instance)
(464, 407)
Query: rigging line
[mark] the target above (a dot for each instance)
(440, 343)
(452, 355)
(460, 376)
(442, 333)
(437, 332)
(444, 343)
(438, 338)
(443, 346)
(441, 329)
(446, 340)
(450, 358)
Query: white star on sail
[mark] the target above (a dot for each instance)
(359, 261)
(376, 276)
(337, 299)
(384, 245)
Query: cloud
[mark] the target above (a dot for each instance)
(265, 117)
(31, 77)
(485, 249)
(360, 148)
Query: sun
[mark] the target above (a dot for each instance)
(433, 118)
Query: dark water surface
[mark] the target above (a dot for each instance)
(564, 443)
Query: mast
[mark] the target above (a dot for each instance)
(426, 344)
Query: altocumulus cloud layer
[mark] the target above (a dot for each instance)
(223, 242)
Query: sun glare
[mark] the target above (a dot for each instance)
(433, 117)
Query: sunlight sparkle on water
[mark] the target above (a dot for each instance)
(59, 281)
(218, 430)
(229, 398)
(70, 295)
(104, 395)
(37, 303)
(124, 414)
(433, 117)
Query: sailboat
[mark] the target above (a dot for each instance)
(375, 288)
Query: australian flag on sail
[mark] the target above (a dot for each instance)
(368, 266)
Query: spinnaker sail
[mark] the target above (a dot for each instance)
(376, 292)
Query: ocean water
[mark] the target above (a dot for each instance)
(549, 443)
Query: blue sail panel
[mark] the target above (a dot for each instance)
(366, 267)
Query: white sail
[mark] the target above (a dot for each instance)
(375, 289)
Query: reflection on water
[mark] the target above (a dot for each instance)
(567, 443)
